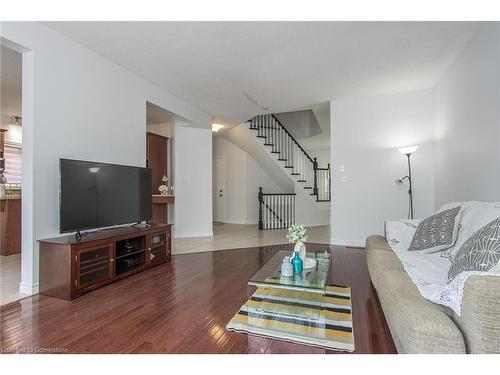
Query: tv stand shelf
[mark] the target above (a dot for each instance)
(70, 267)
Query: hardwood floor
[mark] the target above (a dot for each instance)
(182, 307)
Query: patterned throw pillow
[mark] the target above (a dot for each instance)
(437, 232)
(481, 252)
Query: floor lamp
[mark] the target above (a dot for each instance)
(408, 151)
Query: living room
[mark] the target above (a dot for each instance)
(142, 227)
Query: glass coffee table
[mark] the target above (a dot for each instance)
(302, 309)
(272, 296)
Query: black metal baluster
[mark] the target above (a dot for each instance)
(270, 205)
(315, 166)
(275, 128)
(267, 211)
(259, 198)
(281, 210)
(268, 130)
(270, 212)
(274, 210)
(287, 210)
(264, 130)
(268, 197)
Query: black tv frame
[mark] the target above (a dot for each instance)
(78, 234)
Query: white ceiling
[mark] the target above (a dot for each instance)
(283, 65)
(10, 82)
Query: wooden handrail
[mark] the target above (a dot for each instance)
(283, 143)
(279, 194)
(293, 139)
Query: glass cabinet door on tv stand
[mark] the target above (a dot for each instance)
(159, 247)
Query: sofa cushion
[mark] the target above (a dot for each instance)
(417, 325)
(437, 232)
(481, 252)
(377, 242)
(381, 261)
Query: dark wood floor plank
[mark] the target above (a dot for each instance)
(183, 307)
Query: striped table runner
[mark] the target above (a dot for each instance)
(322, 320)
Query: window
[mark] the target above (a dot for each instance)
(12, 155)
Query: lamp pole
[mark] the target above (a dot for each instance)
(410, 191)
(408, 151)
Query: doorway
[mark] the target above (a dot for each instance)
(218, 189)
(10, 174)
(160, 143)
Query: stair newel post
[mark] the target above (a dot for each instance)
(315, 169)
(261, 225)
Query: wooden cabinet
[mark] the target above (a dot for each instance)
(94, 265)
(2, 144)
(10, 226)
(156, 160)
(158, 247)
(69, 268)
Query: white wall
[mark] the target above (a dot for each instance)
(193, 176)
(467, 105)
(365, 135)
(14, 133)
(243, 176)
(79, 105)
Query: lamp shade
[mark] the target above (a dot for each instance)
(408, 150)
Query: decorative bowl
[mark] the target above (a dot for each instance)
(309, 263)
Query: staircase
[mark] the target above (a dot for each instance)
(287, 151)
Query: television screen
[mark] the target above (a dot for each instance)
(94, 195)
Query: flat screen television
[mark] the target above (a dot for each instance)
(96, 195)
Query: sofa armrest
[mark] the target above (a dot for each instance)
(417, 325)
(480, 320)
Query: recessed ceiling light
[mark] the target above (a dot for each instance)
(217, 127)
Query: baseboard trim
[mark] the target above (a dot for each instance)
(353, 243)
(29, 288)
(199, 234)
(240, 222)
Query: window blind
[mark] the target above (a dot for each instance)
(12, 155)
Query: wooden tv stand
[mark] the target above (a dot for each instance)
(71, 267)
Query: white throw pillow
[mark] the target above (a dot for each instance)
(474, 216)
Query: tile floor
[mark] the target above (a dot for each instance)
(226, 236)
(230, 236)
(10, 277)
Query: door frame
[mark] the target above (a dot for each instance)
(222, 214)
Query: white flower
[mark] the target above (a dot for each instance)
(297, 233)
